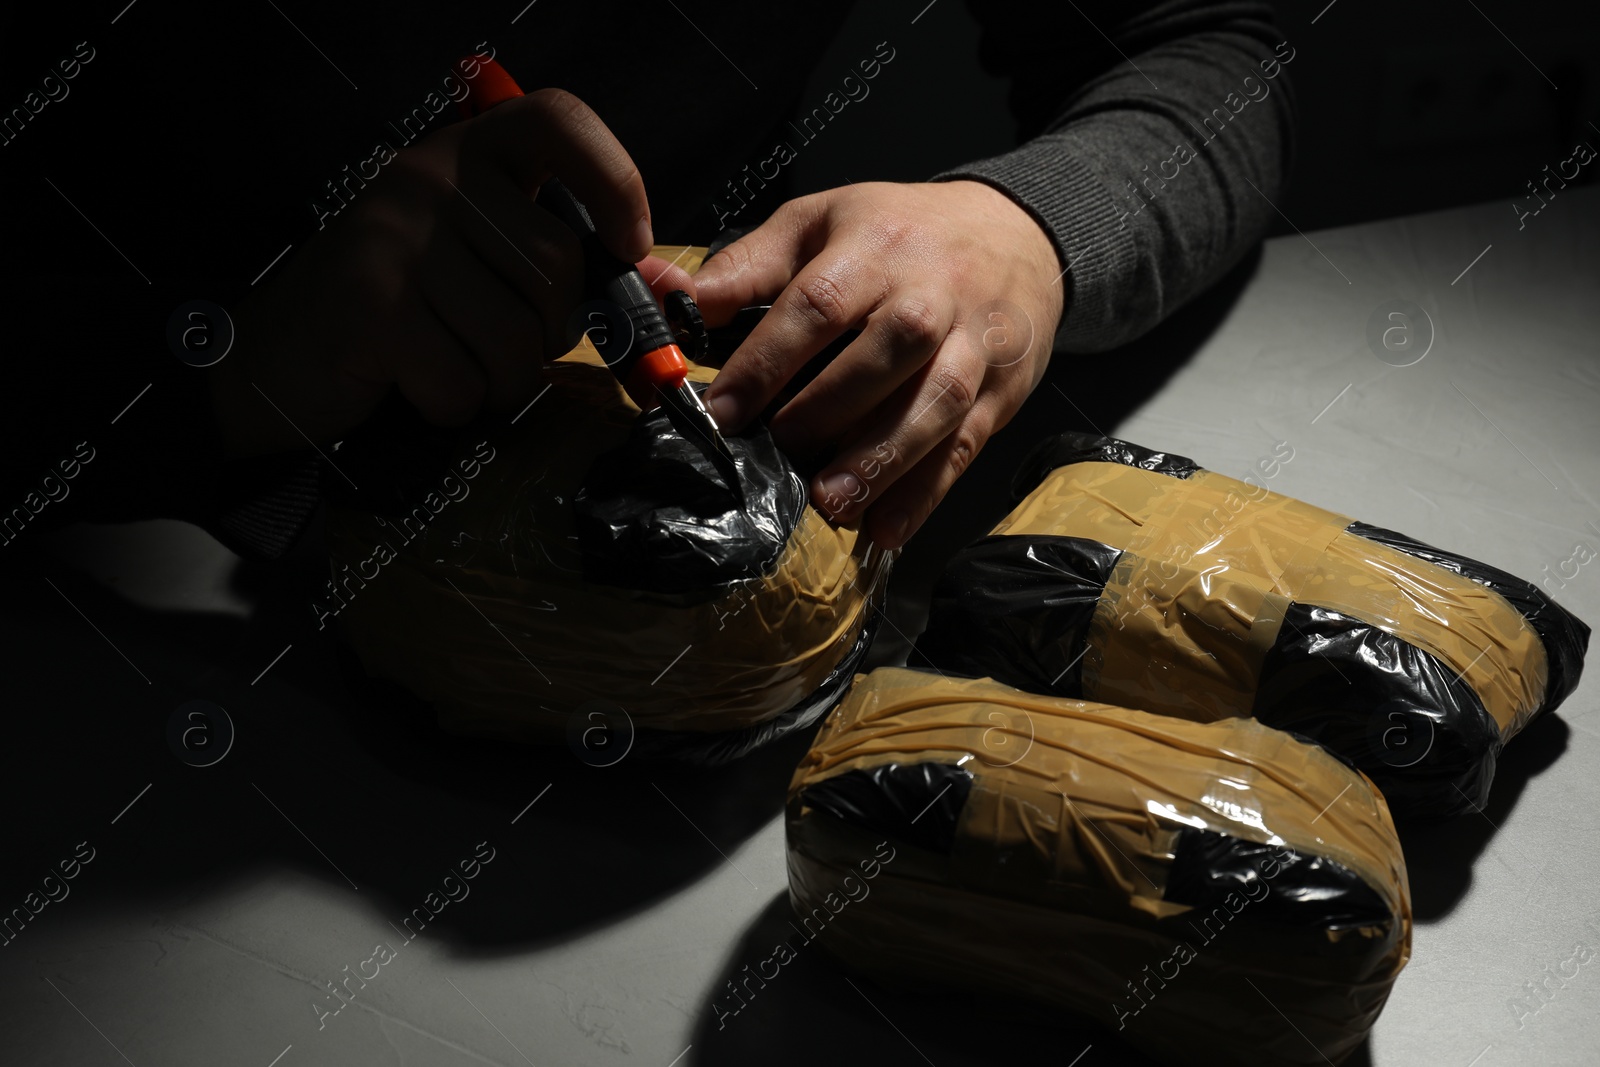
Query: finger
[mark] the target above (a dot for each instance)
(756, 267)
(499, 329)
(903, 508)
(552, 132)
(535, 254)
(527, 246)
(664, 276)
(921, 413)
(830, 295)
(435, 372)
(899, 338)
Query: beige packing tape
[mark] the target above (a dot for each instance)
(1209, 566)
(487, 614)
(1054, 889)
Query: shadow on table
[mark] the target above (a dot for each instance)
(1440, 855)
(347, 783)
(814, 1012)
(600, 842)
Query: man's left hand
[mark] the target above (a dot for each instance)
(957, 292)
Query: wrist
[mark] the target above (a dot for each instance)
(1035, 263)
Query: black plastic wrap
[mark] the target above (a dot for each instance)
(1308, 891)
(1565, 636)
(1018, 608)
(1028, 601)
(655, 514)
(1077, 447)
(918, 803)
(1391, 710)
(591, 561)
(1140, 870)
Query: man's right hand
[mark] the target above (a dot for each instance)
(443, 278)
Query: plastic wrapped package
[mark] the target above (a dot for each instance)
(1183, 883)
(1137, 578)
(591, 564)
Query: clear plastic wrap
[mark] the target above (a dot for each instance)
(1211, 892)
(1138, 578)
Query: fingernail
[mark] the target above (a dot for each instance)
(839, 491)
(725, 409)
(644, 238)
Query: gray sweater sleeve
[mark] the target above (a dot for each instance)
(1158, 138)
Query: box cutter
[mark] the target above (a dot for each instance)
(637, 342)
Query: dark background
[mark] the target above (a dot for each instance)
(1403, 107)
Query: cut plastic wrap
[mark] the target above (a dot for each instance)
(655, 514)
(1182, 883)
(593, 563)
(1137, 578)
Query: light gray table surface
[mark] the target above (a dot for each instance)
(221, 899)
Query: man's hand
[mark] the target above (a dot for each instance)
(957, 291)
(442, 277)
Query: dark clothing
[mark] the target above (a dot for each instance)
(186, 149)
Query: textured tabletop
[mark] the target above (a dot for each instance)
(214, 908)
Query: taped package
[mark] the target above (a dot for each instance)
(1139, 579)
(587, 573)
(1210, 892)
